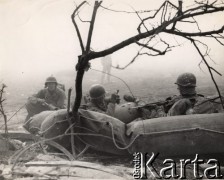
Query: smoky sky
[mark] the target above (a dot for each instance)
(38, 39)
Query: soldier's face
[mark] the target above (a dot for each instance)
(178, 88)
(51, 86)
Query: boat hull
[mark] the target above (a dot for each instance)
(179, 136)
(176, 136)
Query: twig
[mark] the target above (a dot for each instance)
(2, 109)
(70, 123)
(62, 149)
(14, 114)
(69, 100)
(54, 144)
(53, 138)
(128, 12)
(210, 71)
(117, 78)
(83, 151)
(153, 49)
(79, 16)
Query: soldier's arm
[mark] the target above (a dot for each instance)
(39, 97)
(112, 103)
(180, 107)
(110, 109)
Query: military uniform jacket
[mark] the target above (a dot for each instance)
(196, 105)
(109, 110)
(56, 98)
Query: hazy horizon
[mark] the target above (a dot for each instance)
(38, 39)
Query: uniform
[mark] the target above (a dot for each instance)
(189, 102)
(107, 109)
(57, 98)
(149, 113)
(46, 99)
(196, 105)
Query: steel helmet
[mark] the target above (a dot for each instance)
(96, 91)
(50, 80)
(186, 80)
(126, 112)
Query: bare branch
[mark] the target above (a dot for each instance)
(142, 22)
(197, 24)
(148, 54)
(185, 21)
(96, 6)
(76, 27)
(216, 38)
(151, 48)
(210, 71)
(216, 71)
(167, 25)
(150, 17)
(2, 108)
(133, 60)
(128, 12)
(84, 21)
(161, 28)
(203, 34)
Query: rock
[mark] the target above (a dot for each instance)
(5, 145)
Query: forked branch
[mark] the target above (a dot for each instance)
(166, 25)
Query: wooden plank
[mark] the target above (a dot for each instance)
(119, 171)
(75, 172)
(20, 135)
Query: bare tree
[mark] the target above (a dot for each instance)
(168, 17)
(2, 107)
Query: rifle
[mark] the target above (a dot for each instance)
(212, 100)
(153, 104)
(168, 103)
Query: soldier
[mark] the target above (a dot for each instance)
(189, 102)
(49, 98)
(98, 101)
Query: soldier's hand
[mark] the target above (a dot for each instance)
(115, 98)
(118, 99)
(51, 107)
(32, 100)
(40, 100)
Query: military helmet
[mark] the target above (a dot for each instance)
(50, 80)
(186, 80)
(126, 112)
(96, 91)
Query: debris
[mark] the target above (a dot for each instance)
(77, 169)
(5, 145)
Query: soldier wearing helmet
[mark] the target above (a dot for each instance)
(49, 98)
(189, 102)
(98, 101)
(186, 84)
